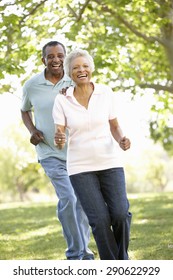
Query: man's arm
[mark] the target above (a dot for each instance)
(36, 135)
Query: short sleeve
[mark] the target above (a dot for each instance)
(57, 112)
(26, 103)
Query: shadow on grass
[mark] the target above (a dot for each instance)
(32, 232)
(14, 220)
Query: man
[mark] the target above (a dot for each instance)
(38, 94)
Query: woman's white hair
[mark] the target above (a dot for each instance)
(74, 54)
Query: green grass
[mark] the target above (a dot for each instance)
(152, 227)
(31, 231)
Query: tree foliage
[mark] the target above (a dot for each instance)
(131, 42)
(19, 171)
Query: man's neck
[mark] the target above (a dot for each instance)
(54, 78)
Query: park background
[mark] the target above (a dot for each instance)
(132, 46)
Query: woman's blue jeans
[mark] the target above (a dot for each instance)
(104, 200)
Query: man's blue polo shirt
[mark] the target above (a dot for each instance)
(39, 95)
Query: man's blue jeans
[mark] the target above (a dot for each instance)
(104, 200)
(69, 210)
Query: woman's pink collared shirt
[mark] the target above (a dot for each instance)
(91, 146)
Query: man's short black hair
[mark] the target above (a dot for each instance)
(52, 43)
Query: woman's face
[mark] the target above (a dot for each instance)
(80, 70)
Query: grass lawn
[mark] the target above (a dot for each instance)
(31, 231)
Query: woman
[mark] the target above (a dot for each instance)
(88, 111)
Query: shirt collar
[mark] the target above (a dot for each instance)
(42, 79)
(69, 92)
(97, 90)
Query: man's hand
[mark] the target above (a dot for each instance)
(36, 137)
(63, 91)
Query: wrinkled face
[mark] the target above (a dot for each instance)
(53, 59)
(80, 70)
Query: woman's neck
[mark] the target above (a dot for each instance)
(83, 93)
(84, 90)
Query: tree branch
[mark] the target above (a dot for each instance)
(150, 39)
(132, 28)
(104, 8)
(157, 87)
(32, 11)
(81, 11)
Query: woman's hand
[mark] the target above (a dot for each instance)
(60, 138)
(124, 143)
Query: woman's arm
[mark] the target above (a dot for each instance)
(60, 136)
(118, 134)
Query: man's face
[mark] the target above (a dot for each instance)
(53, 59)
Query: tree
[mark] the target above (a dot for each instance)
(19, 171)
(150, 170)
(131, 42)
